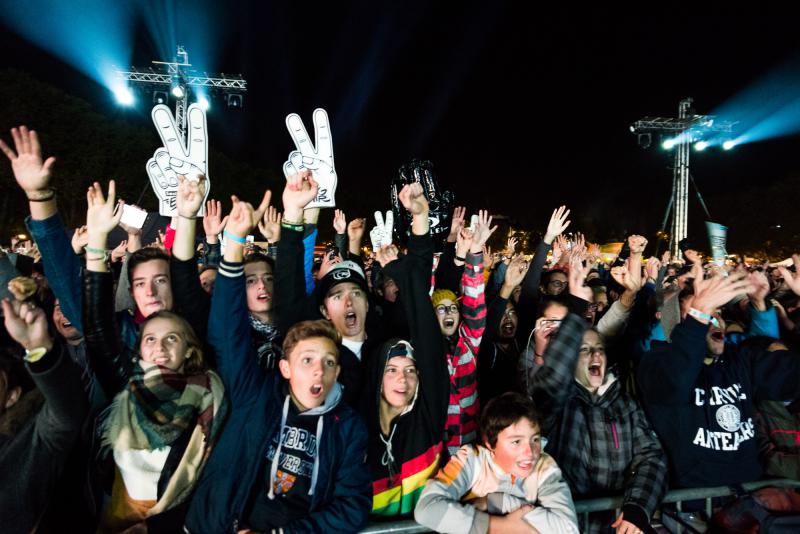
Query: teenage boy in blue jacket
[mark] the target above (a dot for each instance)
(292, 457)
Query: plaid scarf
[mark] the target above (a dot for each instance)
(159, 405)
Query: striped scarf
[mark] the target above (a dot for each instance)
(159, 405)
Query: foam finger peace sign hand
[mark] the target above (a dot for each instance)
(176, 156)
(381, 235)
(318, 158)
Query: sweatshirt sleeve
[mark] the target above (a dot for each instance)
(62, 267)
(440, 508)
(648, 482)
(473, 304)
(554, 510)
(614, 321)
(551, 386)
(658, 381)
(191, 301)
(291, 301)
(229, 334)
(764, 323)
(448, 274)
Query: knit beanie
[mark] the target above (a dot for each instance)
(442, 294)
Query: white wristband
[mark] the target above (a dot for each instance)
(700, 316)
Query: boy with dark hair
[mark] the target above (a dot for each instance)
(292, 456)
(512, 481)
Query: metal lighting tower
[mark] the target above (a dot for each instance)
(177, 78)
(682, 131)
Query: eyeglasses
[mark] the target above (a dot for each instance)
(556, 283)
(442, 309)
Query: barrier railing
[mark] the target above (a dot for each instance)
(587, 506)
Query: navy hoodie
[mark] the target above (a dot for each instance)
(704, 413)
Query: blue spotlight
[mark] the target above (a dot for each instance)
(668, 144)
(204, 103)
(727, 145)
(700, 146)
(178, 91)
(124, 96)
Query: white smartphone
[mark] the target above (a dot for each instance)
(133, 216)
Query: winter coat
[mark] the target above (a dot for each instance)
(341, 497)
(603, 442)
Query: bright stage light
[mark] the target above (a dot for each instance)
(727, 145)
(668, 144)
(204, 103)
(700, 146)
(177, 91)
(124, 96)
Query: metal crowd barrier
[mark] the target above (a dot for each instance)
(587, 506)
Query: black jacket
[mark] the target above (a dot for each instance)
(33, 457)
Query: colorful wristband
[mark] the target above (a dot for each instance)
(234, 238)
(697, 314)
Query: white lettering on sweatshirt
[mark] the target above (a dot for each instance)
(728, 417)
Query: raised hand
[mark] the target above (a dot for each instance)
(270, 225)
(27, 325)
(628, 277)
(102, 214)
(339, 221)
(413, 199)
(240, 219)
(652, 268)
(191, 194)
(356, 227)
(693, 256)
(516, 271)
(637, 244)
(386, 254)
(483, 230)
(317, 158)
(511, 246)
(80, 237)
(464, 244)
(792, 279)
(666, 257)
(759, 289)
(119, 251)
(300, 190)
(714, 292)
(558, 223)
(456, 223)
(176, 156)
(381, 235)
(577, 278)
(213, 223)
(327, 263)
(32, 175)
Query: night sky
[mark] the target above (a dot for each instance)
(520, 110)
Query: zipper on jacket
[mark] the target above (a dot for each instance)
(614, 433)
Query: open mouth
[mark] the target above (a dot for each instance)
(264, 297)
(525, 465)
(66, 324)
(316, 390)
(350, 319)
(595, 370)
(161, 360)
(448, 323)
(507, 328)
(717, 336)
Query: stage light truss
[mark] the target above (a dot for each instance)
(178, 73)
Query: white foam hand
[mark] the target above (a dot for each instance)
(176, 156)
(381, 235)
(318, 158)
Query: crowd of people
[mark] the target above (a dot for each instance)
(232, 388)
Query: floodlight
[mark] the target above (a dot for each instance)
(160, 97)
(727, 145)
(204, 103)
(700, 145)
(235, 101)
(124, 96)
(668, 144)
(178, 91)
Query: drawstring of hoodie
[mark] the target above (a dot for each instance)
(388, 458)
(316, 456)
(273, 470)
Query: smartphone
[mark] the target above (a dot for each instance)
(555, 323)
(250, 239)
(332, 252)
(133, 216)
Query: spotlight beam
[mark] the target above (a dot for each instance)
(175, 74)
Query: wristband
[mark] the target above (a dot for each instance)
(461, 258)
(34, 355)
(697, 314)
(234, 238)
(104, 255)
(292, 223)
(44, 198)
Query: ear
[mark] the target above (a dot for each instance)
(283, 365)
(338, 370)
(13, 397)
(324, 312)
(488, 447)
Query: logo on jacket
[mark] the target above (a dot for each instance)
(729, 417)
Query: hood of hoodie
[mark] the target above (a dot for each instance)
(384, 357)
